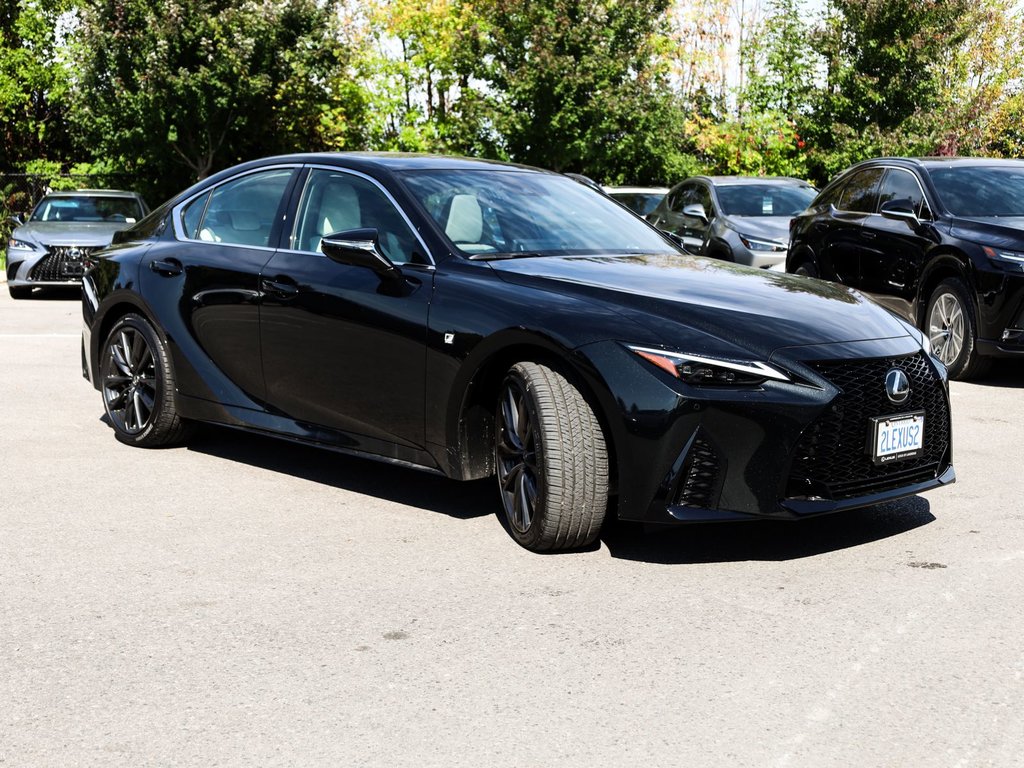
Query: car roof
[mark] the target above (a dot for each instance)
(940, 162)
(92, 192)
(727, 181)
(397, 161)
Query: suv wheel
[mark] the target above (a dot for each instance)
(951, 329)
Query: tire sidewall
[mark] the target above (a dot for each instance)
(518, 377)
(139, 324)
(962, 364)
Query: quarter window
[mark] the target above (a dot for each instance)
(861, 192)
(192, 215)
(334, 201)
(241, 211)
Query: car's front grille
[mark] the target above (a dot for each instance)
(61, 263)
(701, 483)
(832, 460)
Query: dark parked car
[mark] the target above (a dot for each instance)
(52, 246)
(473, 319)
(939, 240)
(734, 218)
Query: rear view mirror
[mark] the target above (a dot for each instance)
(360, 248)
(696, 210)
(900, 210)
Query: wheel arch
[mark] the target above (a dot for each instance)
(949, 264)
(107, 317)
(471, 410)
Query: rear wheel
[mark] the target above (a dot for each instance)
(552, 460)
(20, 291)
(137, 383)
(952, 330)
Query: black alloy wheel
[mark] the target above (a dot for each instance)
(807, 269)
(552, 460)
(137, 383)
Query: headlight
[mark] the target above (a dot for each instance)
(762, 245)
(1005, 258)
(704, 371)
(19, 245)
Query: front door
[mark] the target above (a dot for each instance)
(341, 349)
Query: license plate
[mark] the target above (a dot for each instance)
(73, 269)
(895, 438)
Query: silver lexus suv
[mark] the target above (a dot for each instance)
(51, 247)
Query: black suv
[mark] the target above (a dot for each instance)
(939, 241)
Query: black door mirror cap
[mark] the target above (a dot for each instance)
(900, 210)
(360, 248)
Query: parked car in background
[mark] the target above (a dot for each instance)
(938, 240)
(476, 319)
(640, 200)
(64, 228)
(734, 218)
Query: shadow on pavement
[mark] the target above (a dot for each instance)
(70, 293)
(1004, 373)
(767, 540)
(351, 473)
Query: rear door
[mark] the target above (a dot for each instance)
(206, 281)
(839, 232)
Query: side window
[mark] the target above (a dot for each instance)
(902, 185)
(829, 196)
(193, 214)
(861, 191)
(703, 196)
(334, 201)
(241, 211)
(687, 195)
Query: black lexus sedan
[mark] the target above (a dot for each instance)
(938, 240)
(474, 319)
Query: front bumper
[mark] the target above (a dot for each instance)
(780, 451)
(61, 265)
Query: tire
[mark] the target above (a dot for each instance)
(952, 330)
(20, 291)
(551, 459)
(137, 385)
(807, 269)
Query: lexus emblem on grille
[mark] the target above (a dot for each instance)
(897, 385)
(74, 253)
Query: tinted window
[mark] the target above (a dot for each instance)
(490, 211)
(902, 185)
(193, 214)
(980, 191)
(861, 191)
(830, 196)
(704, 199)
(242, 211)
(764, 199)
(641, 202)
(684, 196)
(334, 201)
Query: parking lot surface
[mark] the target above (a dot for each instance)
(242, 601)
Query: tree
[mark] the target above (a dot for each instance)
(34, 81)
(174, 89)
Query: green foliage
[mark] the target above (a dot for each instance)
(764, 143)
(175, 89)
(779, 62)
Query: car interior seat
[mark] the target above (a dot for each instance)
(336, 210)
(465, 224)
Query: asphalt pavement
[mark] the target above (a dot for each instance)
(247, 602)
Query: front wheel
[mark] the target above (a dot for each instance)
(807, 269)
(551, 458)
(137, 383)
(952, 331)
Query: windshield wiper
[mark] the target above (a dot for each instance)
(497, 256)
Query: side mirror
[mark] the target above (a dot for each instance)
(900, 210)
(696, 210)
(360, 248)
(14, 220)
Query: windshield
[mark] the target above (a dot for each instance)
(87, 208)
(764, 199)
(980, 191)
(491, 213)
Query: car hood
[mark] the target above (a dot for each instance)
(998, 231)
(69, 232)
(767, 227)
(752, 309)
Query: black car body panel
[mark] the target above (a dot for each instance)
(286, 341)
(900, 263)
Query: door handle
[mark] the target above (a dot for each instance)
(867, 234)
(167, 268)
(282, 288)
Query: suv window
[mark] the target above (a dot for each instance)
(241, 211)
(684, 196)
(334, 201)
(902, 185)
(861, 191)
